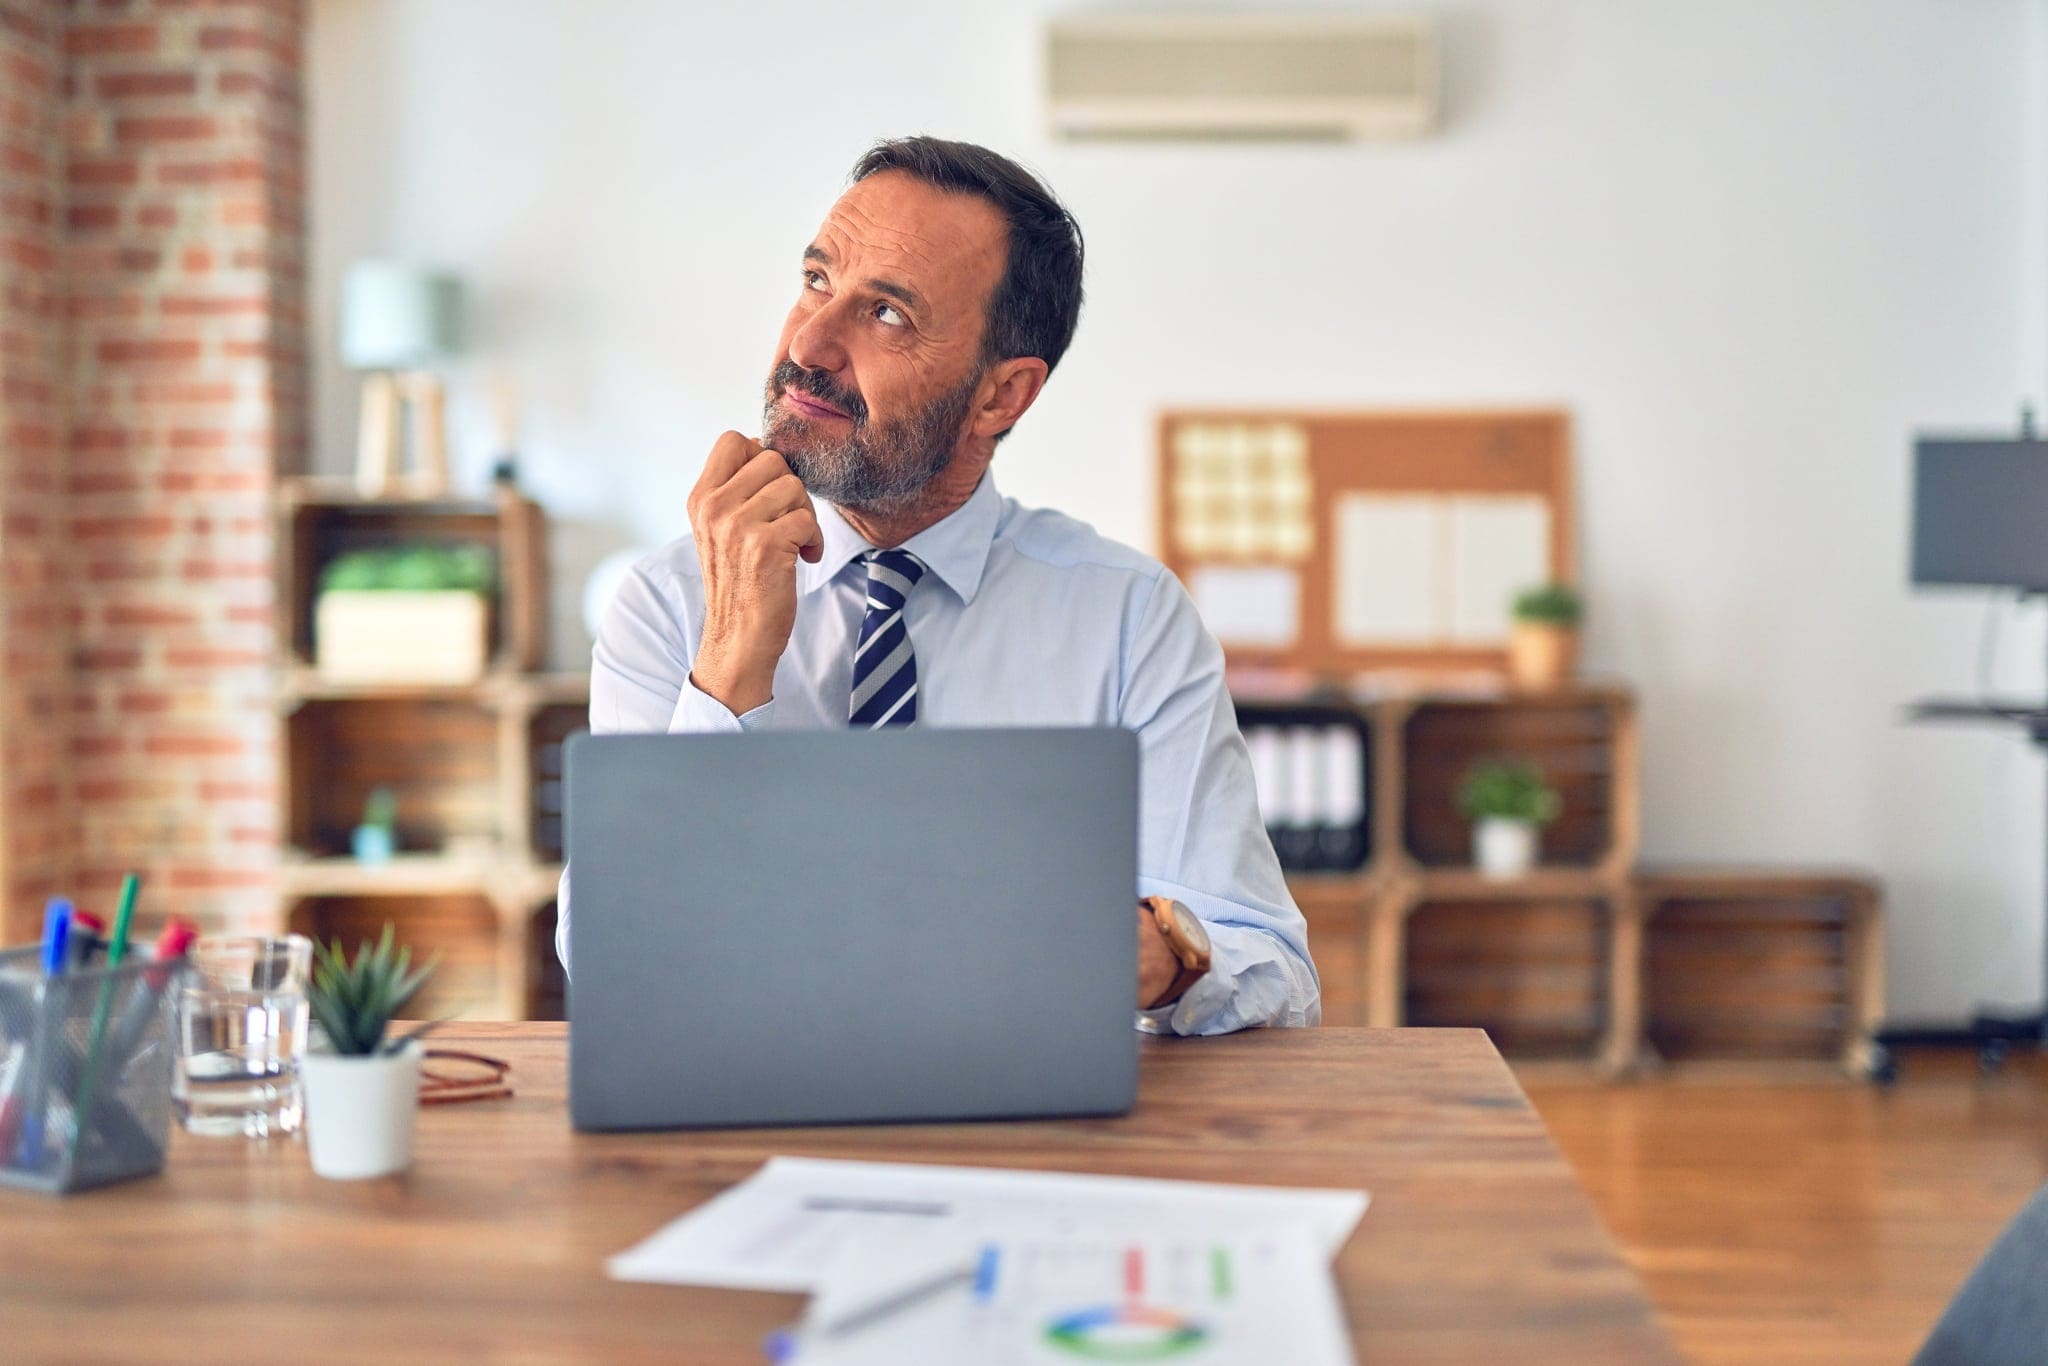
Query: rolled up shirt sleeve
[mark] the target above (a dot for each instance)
(1201, 839)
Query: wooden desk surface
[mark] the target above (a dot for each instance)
(1479, 1245)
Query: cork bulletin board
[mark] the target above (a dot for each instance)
(1346, 543)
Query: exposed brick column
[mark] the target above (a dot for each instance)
(36, 809)
(177, 193)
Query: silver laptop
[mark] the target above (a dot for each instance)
(827, 927)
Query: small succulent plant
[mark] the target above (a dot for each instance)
(1550, 604)
(354, 1002)
(380, 808)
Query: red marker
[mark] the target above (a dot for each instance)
(88, 935)
(171, 945)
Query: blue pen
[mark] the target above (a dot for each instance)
(48, 1027)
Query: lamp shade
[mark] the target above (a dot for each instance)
(398, 317)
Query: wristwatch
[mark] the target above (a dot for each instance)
(1186, 937)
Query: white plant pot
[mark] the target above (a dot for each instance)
(401, 637)
(1503, 848)
(360, 1112)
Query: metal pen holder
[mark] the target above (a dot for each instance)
(87, 1059)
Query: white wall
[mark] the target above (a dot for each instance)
(1752, 244)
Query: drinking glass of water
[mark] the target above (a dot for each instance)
(241, 1033)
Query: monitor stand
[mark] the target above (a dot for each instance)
(1996, 1035)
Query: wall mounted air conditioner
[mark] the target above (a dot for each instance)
(1242, 75)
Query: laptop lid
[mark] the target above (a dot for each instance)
(816, 927)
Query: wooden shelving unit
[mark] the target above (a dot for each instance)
(1586, 958)
(1546, 962)
(476, 879)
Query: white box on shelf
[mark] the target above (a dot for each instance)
(440, 637)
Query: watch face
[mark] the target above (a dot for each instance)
(1190, 927)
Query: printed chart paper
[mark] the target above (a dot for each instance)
(1226, 1296)
(781, 1228)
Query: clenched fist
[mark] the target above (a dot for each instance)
(753, 520)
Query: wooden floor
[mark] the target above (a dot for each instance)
(1815, 1222)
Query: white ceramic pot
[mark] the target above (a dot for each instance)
(360, 1112)
(1502, 847)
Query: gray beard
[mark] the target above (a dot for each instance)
(882, 470)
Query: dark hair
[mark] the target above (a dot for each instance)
(1038, 301)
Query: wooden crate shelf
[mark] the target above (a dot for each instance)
(321, 519)
(1294, 749)
(1391, 935)
(437, 755)
(547, 985)
(1539, 884)
(1582, 958)
(512, 882)
(1761, 965)
(478, 826)
(1535, 973)
(463, 929)
(1581, 741)
(551, 725)
(1339, 912)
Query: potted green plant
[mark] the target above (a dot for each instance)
(362, 1090)
(408, 614)
(1507, 802)
(1543, 651)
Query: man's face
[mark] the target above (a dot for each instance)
(879, 360)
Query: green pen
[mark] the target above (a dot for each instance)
(117, 949)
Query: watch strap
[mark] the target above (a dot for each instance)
(1162, 911)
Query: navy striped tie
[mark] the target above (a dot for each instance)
(884, 670)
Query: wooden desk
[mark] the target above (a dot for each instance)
(1479, 1245)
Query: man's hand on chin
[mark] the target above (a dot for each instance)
(1157, 967)
(753, 521)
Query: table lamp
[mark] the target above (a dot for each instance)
(395, 321)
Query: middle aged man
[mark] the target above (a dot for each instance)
(857, 566)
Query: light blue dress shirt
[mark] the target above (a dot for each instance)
(1023, 618)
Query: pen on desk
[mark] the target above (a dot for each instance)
(44, 1037)
(896, 1301)
(785, 1344)
(171, 945)
(117, 950)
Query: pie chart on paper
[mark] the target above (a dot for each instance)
(1127, 1332)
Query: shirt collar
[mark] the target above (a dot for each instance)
(955, 547)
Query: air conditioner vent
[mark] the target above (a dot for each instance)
(1192, 75)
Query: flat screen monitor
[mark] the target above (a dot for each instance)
(1980, 513)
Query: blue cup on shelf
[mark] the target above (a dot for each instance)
(373, 844)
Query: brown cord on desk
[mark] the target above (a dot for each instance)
(435, 1087)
